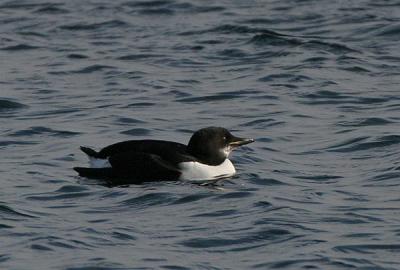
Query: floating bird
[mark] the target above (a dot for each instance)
(137, 161)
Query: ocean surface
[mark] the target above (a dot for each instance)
(316, 83)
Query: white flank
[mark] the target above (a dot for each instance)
(99, 163)
(196, 171)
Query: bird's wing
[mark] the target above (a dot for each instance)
(145, 146)
(141, 165)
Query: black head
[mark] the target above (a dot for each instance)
(212, 145)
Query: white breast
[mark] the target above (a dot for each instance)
(197, 171)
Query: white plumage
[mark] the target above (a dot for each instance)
(197, 171)
(99, 163)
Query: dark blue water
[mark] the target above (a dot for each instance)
(316, 83)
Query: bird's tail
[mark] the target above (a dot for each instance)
(89, 151)
(100, 173)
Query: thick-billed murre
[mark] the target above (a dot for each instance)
(137, 161)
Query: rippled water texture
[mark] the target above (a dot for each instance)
(316, 83)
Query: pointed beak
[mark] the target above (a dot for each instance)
(236, 142)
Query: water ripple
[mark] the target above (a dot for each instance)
(7, 105)
(10, 213)
(94, 26)
(370, 121)
(270, 235)
(43, 130)
(360, 144)
(19, 47)
(314, 82)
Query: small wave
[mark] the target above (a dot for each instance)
(220, 96)
(363, 248)
(71, 188)
(123, 236)
(265, 181)
(225, 29)
(262, 123)
(10, 143)
(61, 197)
(157, 11)
(67, 192)
(7, 212)
(284, 77)
(349, 142)
(274, 39)
(99, 266)
(151, 199)
(267, 235)
(138, 56)
(77, 56)
(329, 97)
(233, 53)
(180, 62)
(356, 69)
(258, 21)
(239, 29)
(220, 213)
(336, 48)
(318, 263)
(128, 120)
(189, 81)
(40, 247)
(206, 9)
(85, 70)
(45, 114)
(4, 257)
(195, 9)
(263, 204)
(361, 144)
(371, 121)
(43, 130)
(33, 34)
(360, 235)
(210, 42)
(19, 47)
(325, 94)
(190, 198)
(267, 37)
(390, 31)
(5, 226)
(141, 104)
(43, 242)
(146, 4)
(6, 105)
(386, 179)
(209, 98)
(19, 5)
(94, 26)
(136, 132)
(320, 178)
(316, 60)
(233, 29)
(234, 195)
(51, 9)
(344, 220)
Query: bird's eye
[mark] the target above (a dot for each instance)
(224, 138)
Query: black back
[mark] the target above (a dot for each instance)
(170, 151)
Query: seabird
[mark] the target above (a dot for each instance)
(136, 161)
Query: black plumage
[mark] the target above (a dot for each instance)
(136, 161)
